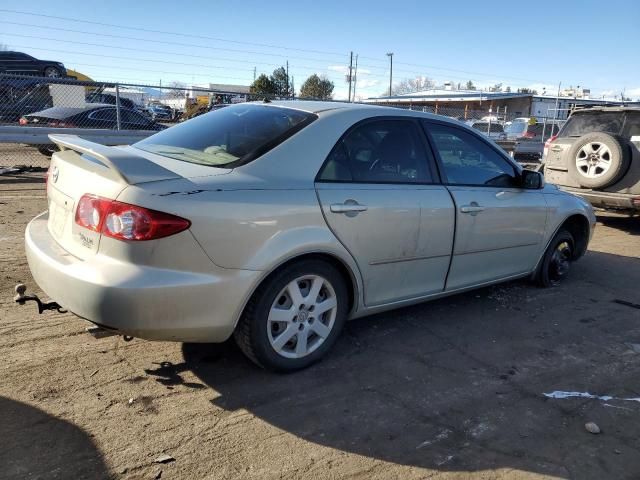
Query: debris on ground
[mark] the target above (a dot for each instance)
(591, 427)
(164, 458)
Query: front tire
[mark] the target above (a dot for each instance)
(295, 316)
(557, 259)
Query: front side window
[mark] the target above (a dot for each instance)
(381, 151)
(228, 137)
(468, 160)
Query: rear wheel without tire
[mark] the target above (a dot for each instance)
(598, 160)
(556, 262)
(294, 317)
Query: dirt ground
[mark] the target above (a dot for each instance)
(451, 389)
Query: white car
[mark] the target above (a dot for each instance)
(275, 222)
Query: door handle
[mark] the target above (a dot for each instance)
(473, 209)
(347, 207)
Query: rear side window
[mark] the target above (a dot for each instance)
(105, 114)
(228, 137)
(583, 123)
(380, 151)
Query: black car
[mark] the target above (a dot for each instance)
(23, 64)
(110, 99)
(94, 115)
(19, 98)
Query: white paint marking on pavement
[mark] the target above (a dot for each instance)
(606, 398)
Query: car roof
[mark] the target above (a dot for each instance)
(606, 109)
(318, 106)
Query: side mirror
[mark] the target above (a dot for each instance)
(531, 180)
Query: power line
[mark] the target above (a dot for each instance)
(181, 34)
(167, 62)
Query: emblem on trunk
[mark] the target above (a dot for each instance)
(54, 174)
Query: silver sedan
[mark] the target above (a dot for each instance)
(276, 222)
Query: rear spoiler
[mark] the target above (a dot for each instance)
(122, 164)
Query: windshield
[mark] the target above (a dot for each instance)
(229, 136)
(516, 127)
(582, 123)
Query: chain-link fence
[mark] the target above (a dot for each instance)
(121, 113)
(109, 113)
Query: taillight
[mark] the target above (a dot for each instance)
(529, 135)
(550, 141)
(126, 222)
(23, 121)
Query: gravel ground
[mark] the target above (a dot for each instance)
(448, 389)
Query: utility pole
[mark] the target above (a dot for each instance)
(555, 116)
(355, 79)
(287, 90)
(350, 72)
(254, 74)
(390, 55)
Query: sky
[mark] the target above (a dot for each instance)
(593, 44)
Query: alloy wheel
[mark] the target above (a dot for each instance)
(302, 316)
(593, 160)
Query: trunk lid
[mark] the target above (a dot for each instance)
(83, 167)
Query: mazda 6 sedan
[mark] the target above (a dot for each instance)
(276, 222)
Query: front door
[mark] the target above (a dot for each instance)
(499, 226)
(379, 197)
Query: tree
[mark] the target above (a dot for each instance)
(177, 90)
(470, 85)
(281, 82)
(263, 86)
(527, 90)
(411, 85)
(317, 87)
(508, 89)
(496, 88)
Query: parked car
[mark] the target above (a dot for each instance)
(160, 112)
(596, 156)
(23, 64)
(23, 99)
(276, 222)
(491, 130)
(530, 137)
(92, 115)
(110, 99)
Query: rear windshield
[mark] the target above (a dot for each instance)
(516, 127)
(228, 137)
(484, 127)
(583, 123)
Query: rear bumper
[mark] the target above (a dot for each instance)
(138, 300)
(615, 201)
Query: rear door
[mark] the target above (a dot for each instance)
(380, 195)
(499, 226)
